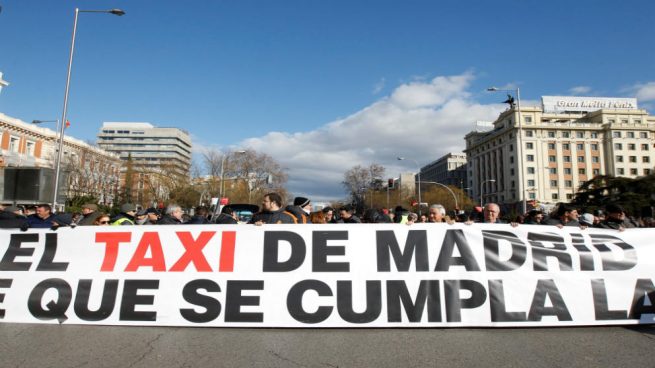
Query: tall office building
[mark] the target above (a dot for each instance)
(557, 146)
(450, 169)
(148, 146)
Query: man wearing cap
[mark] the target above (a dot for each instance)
(126, 217)
(89, 214)
(300, 210)
(616, 219)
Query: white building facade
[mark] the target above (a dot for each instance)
(557, 146)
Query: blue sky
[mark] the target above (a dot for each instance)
(319, 85)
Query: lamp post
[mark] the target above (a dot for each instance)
(54, 195)
(520, 140)
(225, 156)
(450, 190)
(118, 12)
(419, 181)
(482, 187)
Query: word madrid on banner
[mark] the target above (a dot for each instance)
(382, 275)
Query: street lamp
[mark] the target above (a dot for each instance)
(118, 12)
(520, 149)
(54, 195)
(482, 187)
(450, 190)
(225, 156)
(419, 181)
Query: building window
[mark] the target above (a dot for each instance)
(567, 158)
(529, 145)
(513, 184)
(531, 183)
(593, 135)
(13, 144)
(618, 146)
(630, 134)
(566, 134)
(645, 159)
(532, 195)
(29, 148)
(552, 170)
(554, 196)
(530, 158)
(619, 158)
(568, 183)
(646, 171)
(566, 147)
(633, 171)
(553, 183)
(530, 170)
(633, 158)
(552, 159)
(632, 146)
(527, 119)
(595, 159)
(580, 158)
(511, 159)
(611, 121)
(582, 171)
(551, 134)
(644, 147)
(529, 133)
(567, 171)
(620, 171)
(616, 134)
(511, 172)
(551, 146)
(624, 121)
(569, 196)
(643, 134)
(511, 148)
(579, 146)
(579, 134)
(595, 172)
(594, 147)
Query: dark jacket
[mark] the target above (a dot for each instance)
(610, 223)
(198, 220)
(10, 220)
(299, 214)
(274, 217)
(226, 219)
(87, 220)
(122, 219)
(555, 221)
(352, 220)
(169, 220)
(38, 223)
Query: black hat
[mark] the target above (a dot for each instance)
(613, 208)
(301, 201)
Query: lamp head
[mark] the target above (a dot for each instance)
(118, 12)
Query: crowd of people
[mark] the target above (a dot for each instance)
(273, 211)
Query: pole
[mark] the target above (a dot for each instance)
(521, 158)
(449, 190)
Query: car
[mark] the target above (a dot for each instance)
(243, 211)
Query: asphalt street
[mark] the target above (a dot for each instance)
(30, 345)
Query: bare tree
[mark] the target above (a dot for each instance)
(358, 179)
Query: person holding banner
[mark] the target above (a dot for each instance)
(272, 212)
(43, 217)
(567, 215)
(616, 218)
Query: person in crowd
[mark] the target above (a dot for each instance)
(152, 216)
(43, 217)
(272, 212)
(586, 220)
(227, 217)
(89, 214)
(436, 213)
(329, 215)
(317, 217)
(534, 217)
(29, 210)
(103, 219)
(173, 216)
(615, 218)
(62, 219)
(12, 218)
(400, 215)
(566, 215)
(300, 210)
(141, 217)
(126, 216)
(347, 216)
(200, 216)
(423, 219)
(491, 214)
(411, 218)
(375, 216)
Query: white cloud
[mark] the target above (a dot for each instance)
(580, 90)
(419, 120)
(379, 86)
(644, 91)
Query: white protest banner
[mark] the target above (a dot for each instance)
(424, 275)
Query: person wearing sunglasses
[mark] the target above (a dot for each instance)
(102, 220)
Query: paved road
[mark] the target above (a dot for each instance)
(26, 345)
